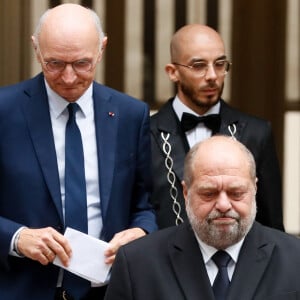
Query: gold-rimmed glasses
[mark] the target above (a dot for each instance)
(58, 66)
(221, 67)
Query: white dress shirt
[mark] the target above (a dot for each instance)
(200, 132)
(211, 268)
(85, 121)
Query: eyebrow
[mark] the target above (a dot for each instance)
(229, 187)
(205, 60)
(69, 62)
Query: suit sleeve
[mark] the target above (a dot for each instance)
(143, 214)
(119, 287)
(269, 185)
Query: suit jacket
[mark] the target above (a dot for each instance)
(168, 264)
(29, 181)
(253, 132)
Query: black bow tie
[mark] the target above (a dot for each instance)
(189, 121)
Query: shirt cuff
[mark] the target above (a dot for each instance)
(14, 242)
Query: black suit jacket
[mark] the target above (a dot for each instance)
(168, 264)
(253, 132)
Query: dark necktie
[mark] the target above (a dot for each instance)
(75, 195)
(190, 121)
(75, 186)
(221, 283)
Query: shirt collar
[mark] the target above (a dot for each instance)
(180, 108)
(58, 104)
(208, 251)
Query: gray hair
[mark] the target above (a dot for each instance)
(94, 16)
(189, 159)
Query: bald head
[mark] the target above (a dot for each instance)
(216, 154)
(68, 24)
(68, 38)
(193, 35)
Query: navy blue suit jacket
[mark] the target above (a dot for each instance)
(29, 181)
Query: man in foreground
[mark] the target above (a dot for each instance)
(182, 262)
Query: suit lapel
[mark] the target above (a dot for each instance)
(253, 260)
(36, 111)
(189, 268)
(187, 262)
(168, 124)
(106, 122)
(231, 123)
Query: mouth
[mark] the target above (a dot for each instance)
(69, 87)
(210, 91)
(224, 221)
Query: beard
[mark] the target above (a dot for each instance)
(218, 236)
(192, 95)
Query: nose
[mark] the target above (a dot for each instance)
(223, 203)
(69, 75)
(210, 73)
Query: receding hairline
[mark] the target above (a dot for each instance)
(190, 158)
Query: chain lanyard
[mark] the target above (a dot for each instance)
(232, 130)
(171, 177)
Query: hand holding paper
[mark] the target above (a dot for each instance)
(88, 260)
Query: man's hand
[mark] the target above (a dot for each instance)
(43, 245)
(122, 238)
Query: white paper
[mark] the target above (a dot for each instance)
(87, 259)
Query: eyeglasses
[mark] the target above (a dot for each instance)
(57, 66)
(221, 67)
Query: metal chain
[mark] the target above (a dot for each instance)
(176, 207)
(171, 177)
(232, 131)
(64, 295)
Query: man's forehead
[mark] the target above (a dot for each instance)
(206, 181)
(221, 167)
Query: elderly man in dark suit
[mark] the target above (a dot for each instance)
(198, 68)
(47, 184)
(222, 252)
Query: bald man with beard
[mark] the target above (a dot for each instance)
(179, 262)
(198, 68)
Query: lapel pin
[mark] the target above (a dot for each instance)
(111, 114)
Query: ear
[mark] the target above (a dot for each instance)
(255, 185)
(35, 48)
(103, 47)
(185, 190)
(172, 72)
